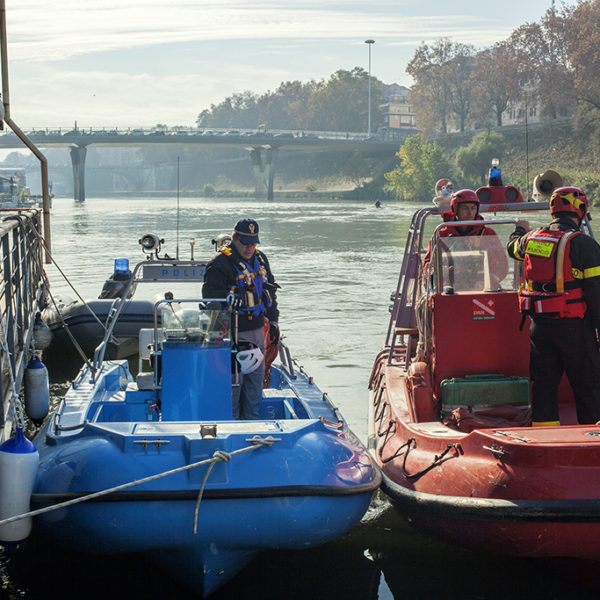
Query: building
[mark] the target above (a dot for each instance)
(396, 109)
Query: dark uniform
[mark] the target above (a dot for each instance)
(254, 288)
(565, 316)
(223, 275)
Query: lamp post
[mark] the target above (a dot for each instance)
(369, 43)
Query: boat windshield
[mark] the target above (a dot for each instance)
(474, 263)
(207, 324)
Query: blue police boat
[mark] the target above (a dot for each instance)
(155, 463)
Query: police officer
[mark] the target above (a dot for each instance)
(561, 294)
(242, 270)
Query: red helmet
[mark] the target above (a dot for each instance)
(461, 197)
(569, 200)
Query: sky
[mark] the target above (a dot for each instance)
(136, 63)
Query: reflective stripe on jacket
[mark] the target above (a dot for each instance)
(551, 287)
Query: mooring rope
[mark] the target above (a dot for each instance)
(219, 455)
(88, 307)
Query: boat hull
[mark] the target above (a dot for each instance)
(532, 528)
(229, 532)
(304, 482)
(88, 330)
(515, 491)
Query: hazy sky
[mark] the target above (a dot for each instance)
(119, 63)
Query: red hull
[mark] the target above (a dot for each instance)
(504, 487)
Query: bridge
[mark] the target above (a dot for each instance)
(262, 146)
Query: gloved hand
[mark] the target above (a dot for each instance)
(274, 332)
(236, 301)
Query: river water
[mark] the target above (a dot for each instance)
(337, 263)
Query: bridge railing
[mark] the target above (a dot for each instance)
(40, 133)
(22, 293)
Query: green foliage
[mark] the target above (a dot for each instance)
(474, 160)
(208, 190)
(421, 165)
(338, 104)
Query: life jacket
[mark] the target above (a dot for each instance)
(551, 287)
(452, 226)
(252, 283)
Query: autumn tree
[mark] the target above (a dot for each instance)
(429, 94)
(495, 82)
(421, 165)
(544, 65)
(460, 81)
(582, 39)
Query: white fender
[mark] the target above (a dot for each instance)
(37, 390)
(19, 461)
(42, 335)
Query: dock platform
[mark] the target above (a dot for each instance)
(23, 292)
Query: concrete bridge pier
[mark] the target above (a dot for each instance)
(264, 170)
(78, 160)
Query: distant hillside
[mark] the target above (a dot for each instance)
(554, 145)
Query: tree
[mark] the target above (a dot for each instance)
(238, 110)
(495, 82)
(357, 169)
(474, 160)
(459, 74)
(429, 93)
(287, 107)
(582, 39)
(421, 165)
(443, 87)
(545, 69)
(341, 104)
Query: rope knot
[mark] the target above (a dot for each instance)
(222, 455)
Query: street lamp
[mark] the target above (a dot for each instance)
(369, 43)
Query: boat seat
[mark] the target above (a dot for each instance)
(145, 381)
(478, 333)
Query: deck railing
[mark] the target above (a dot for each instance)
(22, 294)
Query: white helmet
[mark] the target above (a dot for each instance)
(250, 360)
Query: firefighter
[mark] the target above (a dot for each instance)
(465, 207)
(560, 291)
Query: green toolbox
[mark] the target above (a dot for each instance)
(478, 392)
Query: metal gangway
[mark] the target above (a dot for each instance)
(23, 294)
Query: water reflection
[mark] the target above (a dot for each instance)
(382, 558)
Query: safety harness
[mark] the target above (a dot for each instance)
(251, 283)
(551, 287)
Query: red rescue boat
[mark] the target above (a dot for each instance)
(449, 403)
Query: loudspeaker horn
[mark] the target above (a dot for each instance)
(544, 184)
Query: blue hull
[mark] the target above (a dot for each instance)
(312, 484)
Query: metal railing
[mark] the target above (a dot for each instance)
(22, 296)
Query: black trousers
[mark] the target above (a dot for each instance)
(564, 345)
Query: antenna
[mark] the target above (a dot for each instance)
(177, 236)
(526, 144)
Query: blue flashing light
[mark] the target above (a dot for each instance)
(121, 268)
